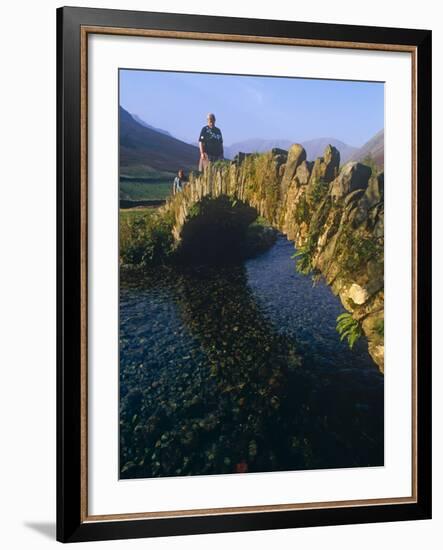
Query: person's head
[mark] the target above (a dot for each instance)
(181, 174)
(211, 120)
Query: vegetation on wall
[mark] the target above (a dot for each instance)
(302, 210)
(304, 256)
(355, 249)
(380, 328)
(319, 190)
(348, 328)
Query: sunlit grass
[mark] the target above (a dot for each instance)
(135, 190)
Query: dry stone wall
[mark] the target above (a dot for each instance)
(334, 215)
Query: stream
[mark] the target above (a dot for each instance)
(239, 368)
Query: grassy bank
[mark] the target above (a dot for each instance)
(146, 239)
(141, 190)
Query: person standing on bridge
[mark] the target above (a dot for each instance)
(179, 182)
(210, 143)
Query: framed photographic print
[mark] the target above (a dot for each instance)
(244, 338)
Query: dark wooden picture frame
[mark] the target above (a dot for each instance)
(73, 26)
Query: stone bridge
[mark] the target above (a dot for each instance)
(334, 215)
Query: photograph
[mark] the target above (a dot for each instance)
(219, 325)
(227, 276)
(251, 273)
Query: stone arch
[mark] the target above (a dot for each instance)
(334, 215)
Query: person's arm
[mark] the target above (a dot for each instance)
(201, 144)
(222, 149)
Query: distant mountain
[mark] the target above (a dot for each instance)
(150, 150)
(314, 147)
(375, 147)
(146, 125)
(255, 145)
(145, 149)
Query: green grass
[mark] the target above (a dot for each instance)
(143, 191)
(144, 171)
(128, 215)
(145, 238)
(142, 182)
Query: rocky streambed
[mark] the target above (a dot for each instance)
(239, 368)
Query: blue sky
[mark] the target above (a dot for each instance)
(254, 106)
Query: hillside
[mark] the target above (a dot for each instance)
(375, 147)
(145, 151)
(146, 125)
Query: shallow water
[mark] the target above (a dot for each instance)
(240, 369)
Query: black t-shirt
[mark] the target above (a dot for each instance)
(212, 140)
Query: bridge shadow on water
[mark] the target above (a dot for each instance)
(212, 383)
